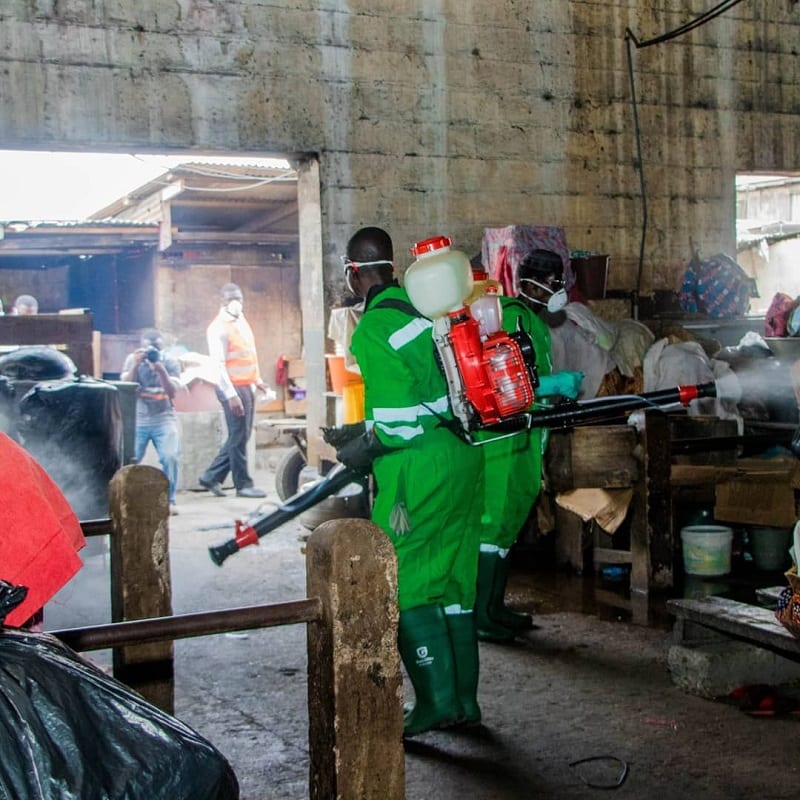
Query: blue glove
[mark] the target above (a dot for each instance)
(564, 383)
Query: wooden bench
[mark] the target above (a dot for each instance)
(715, 618)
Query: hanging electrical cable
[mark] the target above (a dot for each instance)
(707, 16)
(630, 37)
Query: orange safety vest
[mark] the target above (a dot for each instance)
(240, 360)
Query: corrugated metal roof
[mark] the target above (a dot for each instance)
(23, 226)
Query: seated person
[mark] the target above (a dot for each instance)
(609, 354)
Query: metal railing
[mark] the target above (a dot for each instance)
(354, 678)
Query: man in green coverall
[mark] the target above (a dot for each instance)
(428, 489)
(513, 480)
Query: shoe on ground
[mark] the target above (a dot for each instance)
(213, 487)
(173, 510)
(490, 631)
(250, 491)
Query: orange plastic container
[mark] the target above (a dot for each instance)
(339, 375)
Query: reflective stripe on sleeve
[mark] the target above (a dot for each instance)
(410, 413)
(409, 332)
(405, 432)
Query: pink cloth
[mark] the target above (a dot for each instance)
(778, 315)
(504, 248)
(39, 532)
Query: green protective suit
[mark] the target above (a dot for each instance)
(428, 487)
(513, 466)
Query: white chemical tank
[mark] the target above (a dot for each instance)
(440, 279)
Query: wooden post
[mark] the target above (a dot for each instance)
(652, 541)
(571, 540)
(354, 679)
(140, 577)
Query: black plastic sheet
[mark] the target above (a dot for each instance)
(67, 730)
(37, 363)
(73, 428)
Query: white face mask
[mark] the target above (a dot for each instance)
(555, 302)
(234, 308)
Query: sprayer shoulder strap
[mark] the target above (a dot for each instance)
(403, 305)
(397, 304)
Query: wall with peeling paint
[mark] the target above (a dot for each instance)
(432, 115)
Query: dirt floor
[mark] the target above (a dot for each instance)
(586, 683)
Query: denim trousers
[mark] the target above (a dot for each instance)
(164, 436)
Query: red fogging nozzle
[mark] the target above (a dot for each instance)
(245, 534)
(686, 394)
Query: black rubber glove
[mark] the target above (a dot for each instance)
(338, 437)
(359, 453)
(10, 597)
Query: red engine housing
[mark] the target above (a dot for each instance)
(495, 377)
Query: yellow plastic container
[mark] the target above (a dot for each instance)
(353, 403)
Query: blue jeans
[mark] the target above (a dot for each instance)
(164, 436)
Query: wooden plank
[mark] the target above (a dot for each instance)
(608, 555)
(72, 331)
(596, 456)
(697, 474)
(686, 427)
(740, 620)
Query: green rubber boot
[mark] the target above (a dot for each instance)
(498, 610)
(489, 629)
(464, 639)
(425, 648)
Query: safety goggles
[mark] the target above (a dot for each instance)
(348, 263)
(551, 287)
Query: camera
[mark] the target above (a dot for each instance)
(152, 354)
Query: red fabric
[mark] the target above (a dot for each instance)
(502, 250)
(282, 371)
(39, 532)
(778, 314)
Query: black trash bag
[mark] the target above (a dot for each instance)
(8, 407)
(73, 428)
(10, 597)
(70, 732)
(37, 363)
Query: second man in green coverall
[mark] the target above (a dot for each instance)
(512, 482)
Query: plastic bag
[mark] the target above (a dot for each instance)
(717, 286)
(787, 611)
(67, 731)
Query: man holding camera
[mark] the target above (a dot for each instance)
(155, 414)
